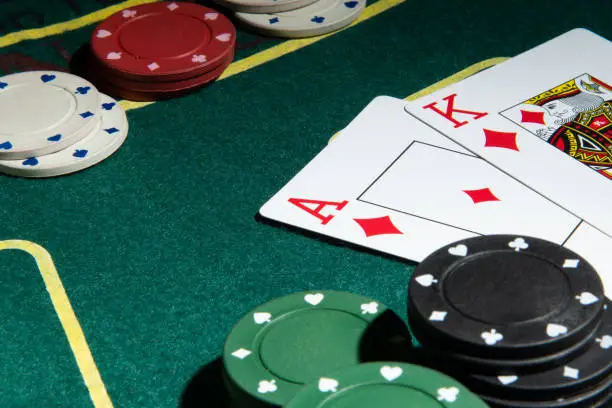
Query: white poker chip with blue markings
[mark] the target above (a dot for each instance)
(318, 18)
(42, 112)
(106, 137)
(263, 6)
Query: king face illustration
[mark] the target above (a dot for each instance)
(575, 117)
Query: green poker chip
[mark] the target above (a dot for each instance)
(280, 346)
(389, 385)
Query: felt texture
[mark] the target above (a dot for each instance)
(159, 247)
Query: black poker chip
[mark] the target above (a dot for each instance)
(592, 397)
(503, 296)
(437, 355)
(584, 371)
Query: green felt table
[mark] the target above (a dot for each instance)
(158, 251)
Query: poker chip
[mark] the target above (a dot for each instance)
(506, 297)
(43, 112)
(171, 40)
(108, 135)
(280, 346)
(149, 91)
(385, 384)
(321, 17)
(591, 397)
(263, 6)
(583, 371)
(488, 365)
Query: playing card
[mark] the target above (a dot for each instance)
(543, 117)
(392, 184)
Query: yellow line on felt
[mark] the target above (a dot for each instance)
(54, 29)
(284, 48)
(469, 71)
(68, 319)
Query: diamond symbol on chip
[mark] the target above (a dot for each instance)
(103, 33)
(198, 58)
(492, 337)
(570, 372)
(266, 386)
(448, 394)
(482, 195)
(172, 6)
(377, 226)
(518, 243)
(241, 353)
(153, 66)
(426, 280)
(437, 316)
(605, 342)
(571, 263)
(532, 117)
(587, 298)
(504, 140)
(128, 13)
(369, 308)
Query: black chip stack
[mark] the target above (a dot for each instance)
(521, 321)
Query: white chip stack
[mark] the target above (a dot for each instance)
(295, 18)
(54, 123)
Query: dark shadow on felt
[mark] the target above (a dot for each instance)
(206, 389)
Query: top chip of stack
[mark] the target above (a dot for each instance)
(295, 18)
(516, 312)
(159, 50)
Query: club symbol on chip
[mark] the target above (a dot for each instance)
(492, 337)
(587, 298)
(313, 298)
(113, 55)
(266, 386)
(426, 280)
(458, 250)
(391, 373)
(518, 244)
(328, 384)
(199, 58)
(211, 16)
(555, 330)
(128, 13)
(605, 342)
(369, 308)
(262, 317)
(225, 37)
(449, 394)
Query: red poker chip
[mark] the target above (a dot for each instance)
(168, 39)
(151, 91)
